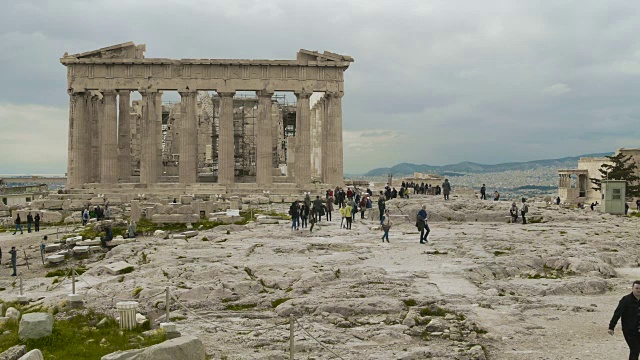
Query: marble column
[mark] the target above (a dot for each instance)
(109, 139)
(264, 141)
(148, 150)
(77, 172)
(188, 132)
(335, 171)
(158, 135)
(124, 135)
(92, 137)
(97, 138)
(303, 139)
(322, 107)
(226, 160)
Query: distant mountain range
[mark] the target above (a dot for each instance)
(471, 167)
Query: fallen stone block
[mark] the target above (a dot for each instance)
(191, 233)
(73, 240)
(186, 199)
(160, 234)
(55, 259)
(52, 247)
(94, 248)
(80, 250)
(35, 326)
(34, 354)
(182, 348)
(118, 268)
(14, 352)
(178, 236)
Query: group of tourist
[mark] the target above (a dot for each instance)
(31, 220)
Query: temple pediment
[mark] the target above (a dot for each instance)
(127, 50)
(309, 55)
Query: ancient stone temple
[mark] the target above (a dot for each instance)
(113, 140)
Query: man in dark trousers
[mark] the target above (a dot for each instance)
(18, 223)
(29, 221)
(317, 207)
(14, 259)
(628, 309)
(524, 210)
(37, 222)
(483, 192)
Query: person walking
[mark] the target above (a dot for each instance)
(513, 211)
(422, 225)
(36, 221)
(341, 217)
(381, 205)
(313, 219)
(386, 225)
(14, 260)
(29, 221)
(627, 310)
(329, 206)
(348, 212)
(524, 210)
(0, 256)
(638, 204)
(496, 195)
(304, 214)
(446, 189)
(317, 208)
(483, 192)
(18, 223)
(293, 212)
(132, 229)
(363, 206)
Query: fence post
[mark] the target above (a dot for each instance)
(291, 337)
(166, 305)
(20, 285)
(73, 281)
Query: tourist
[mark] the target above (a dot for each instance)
(386, 225)
(348, 212)
(387, 193)
(558, 200)
(108, 236)
(293, 212)
(85, 217)
(307, 200)
(524, 210)
(341, 217)
(18, 223)
(394, 193)
(317, 207)
(349, 194)
(107, 212)
(132, 229)
(638, 204)
(483, 192)
(363, 206)
(304, 214)
(496, 195)
(29, 221)
(381, 205)
(0, 256)
(14, 260)
(626, 208)
(354, 208)
(313, 219)
(422, 225)
(446, 189)
(593, 206)
(371, 194)
(628, 309)
(514, 212)
(37, 222)
(341, 197)
(43, 245)
(329, 208)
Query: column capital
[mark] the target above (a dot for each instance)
(123, 92)
(224, 94)
(109, 93)
(186, 93)
(73, 92)
(264, 93)
(335, 94)
(303, 94)
(147, 92)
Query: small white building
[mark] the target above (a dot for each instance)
(613, 196)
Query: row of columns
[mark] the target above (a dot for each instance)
(100, 138)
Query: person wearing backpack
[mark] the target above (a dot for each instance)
(363, 206)
(422, 225)
(523, 210)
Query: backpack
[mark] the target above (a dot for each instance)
(525, 208)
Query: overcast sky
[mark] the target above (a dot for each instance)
(433, 82)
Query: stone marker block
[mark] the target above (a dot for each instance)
(34, 354)
(117, 268)
(190, 233)
(168, 327)
(12, 313)
(179, 236)
(74, 298)
(80, 250)
(186, 199)
(35, 326)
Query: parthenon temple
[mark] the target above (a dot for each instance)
(228, 137)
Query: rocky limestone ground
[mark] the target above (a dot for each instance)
(482, 288)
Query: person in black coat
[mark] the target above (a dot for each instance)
(627, 310)
(29, 222)
(37, 222)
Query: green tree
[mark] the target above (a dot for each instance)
(621, 168)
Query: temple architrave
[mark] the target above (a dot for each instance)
(114, 141)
